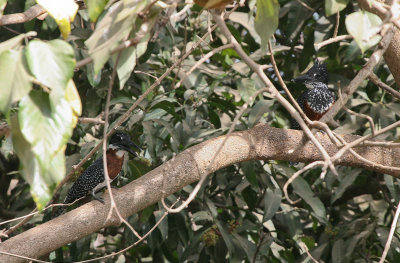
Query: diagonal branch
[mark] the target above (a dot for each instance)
(259, 143)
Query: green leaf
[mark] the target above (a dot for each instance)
(302, 188)
(272, 202)
(114, 27)
(95, 7)
(52, 63)
(14, 79)
(266, 21)
(361, 25)
(14, 42)
(344, 184)
(248, 22)
(246, 88)
(338, 251)
(262, 107)
(41, 182)
(46, 125)
(63, 13)
(334, 6)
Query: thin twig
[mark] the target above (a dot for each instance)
(137, 242)
(91, 120)
(295, 175)
(305, 5)
(374, 78)
(335, 31)
(391, 233)
(23, 257)
(201, 61)
(113, 205)
(368, 118)
(317, 46)
(364, 138)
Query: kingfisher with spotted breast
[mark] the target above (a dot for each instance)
(92, 179)
(317, 99)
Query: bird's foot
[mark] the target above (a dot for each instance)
(98, 199)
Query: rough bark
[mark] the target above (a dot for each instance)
(259, 143)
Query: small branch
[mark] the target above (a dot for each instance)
(305, 5)
(91, 120)
(317, 46)
(391, 233)
(335, 31)
(201, 61)
(295, 175)
(374, 78)
(19, 18)
(368, 118)
(137, 242)
(113, 206)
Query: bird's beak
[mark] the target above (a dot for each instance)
(127, 146)
(302, 79)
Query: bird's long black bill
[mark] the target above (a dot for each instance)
(301, 79)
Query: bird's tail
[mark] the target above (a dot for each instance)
(59, 211)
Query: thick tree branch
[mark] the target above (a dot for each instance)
(259, 143)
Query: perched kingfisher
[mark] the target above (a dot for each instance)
(92, 179)
(317, 99)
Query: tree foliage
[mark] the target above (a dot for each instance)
(194, 83)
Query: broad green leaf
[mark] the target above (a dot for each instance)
(114, 27)
(15, 41)
(266, 21)
(14, 79)
(52, 63)
(246, 88)
(338, 251)
(63, 11)
(302, 188)
(260, 108)
(362, 26)
(45, 124)
(127, 61)
(272, 202)
(248, 22)
(334, 6)
(41, 182)
(95, 7)
(344, 184)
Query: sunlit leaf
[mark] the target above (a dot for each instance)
(210, 4)
(72, 97)
(63, 11)
(14, 42)
(45, 124)
(334, 6)
(114, 27)
(41, 182)
(95, 7)
(267, 19)
(362, 26)
(14, 80)
(52, 63)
